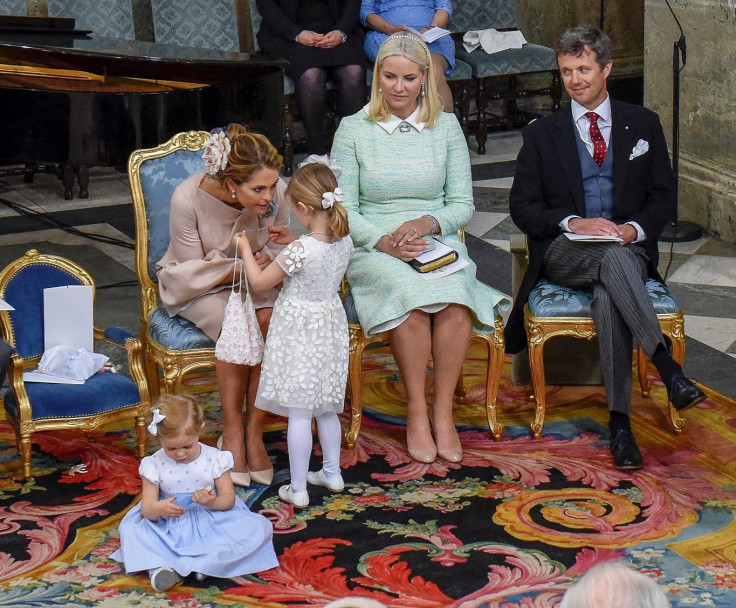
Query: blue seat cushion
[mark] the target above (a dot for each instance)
(529, 58)
(176, 333)
(103, 392)
(461, 71)
(550, 300)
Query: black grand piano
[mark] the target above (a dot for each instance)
(71, 102)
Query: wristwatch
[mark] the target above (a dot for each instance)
(343, 36)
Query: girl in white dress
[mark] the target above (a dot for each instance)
(305, 363)
(189, 519)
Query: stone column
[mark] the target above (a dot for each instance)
(707, 165)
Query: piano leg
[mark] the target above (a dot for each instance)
(288, 141)
(67, 178)
(28, 172)
(83, 181)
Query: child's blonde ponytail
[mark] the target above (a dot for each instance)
(308, 184)
(339, 220)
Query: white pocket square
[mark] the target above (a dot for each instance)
(641, 147)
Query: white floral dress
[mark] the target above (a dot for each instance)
(305, 364)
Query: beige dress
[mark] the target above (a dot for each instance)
(201, 253)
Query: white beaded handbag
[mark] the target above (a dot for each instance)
(240, 341)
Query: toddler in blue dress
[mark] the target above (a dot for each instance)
(305, 363)
(189, 519)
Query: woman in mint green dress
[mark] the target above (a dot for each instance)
(406, 176)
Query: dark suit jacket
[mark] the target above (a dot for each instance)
(548, 187)
(280, 16)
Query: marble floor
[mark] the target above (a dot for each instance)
(702, 274)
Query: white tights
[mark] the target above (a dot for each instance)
(299, 445)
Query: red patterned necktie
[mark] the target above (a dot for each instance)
(599, 144)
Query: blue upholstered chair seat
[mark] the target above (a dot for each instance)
(461, 71)
(176, 333)
(529, 58)
(103, 392)
(550, 300)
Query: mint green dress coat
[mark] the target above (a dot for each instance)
(388, 179)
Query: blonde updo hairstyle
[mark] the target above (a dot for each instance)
(248, 153)
(410, 46)
(184, 416)
(307, 186)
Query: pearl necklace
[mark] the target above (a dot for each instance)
(327, 234)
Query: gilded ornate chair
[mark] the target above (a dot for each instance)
(174, 344)
(554, 311)
(494, 342)
(510, 65)
(36, 407)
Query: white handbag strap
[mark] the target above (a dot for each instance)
(243, 275)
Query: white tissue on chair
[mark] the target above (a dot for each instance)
(493, 41)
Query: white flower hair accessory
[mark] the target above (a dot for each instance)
(157, 417)
(641, 147)
(216, 151)
(325, 160)
(330, 198)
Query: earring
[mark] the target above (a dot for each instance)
(380, 89)
(233, 193)
(422, 88)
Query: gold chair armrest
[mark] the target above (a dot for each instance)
(137, 367)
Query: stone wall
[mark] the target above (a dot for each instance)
(707, 164)
(543, 21)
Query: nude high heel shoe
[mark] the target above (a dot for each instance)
(453, 453)
(264, 477)
(239, 478)
(425, 455)
(450, 453)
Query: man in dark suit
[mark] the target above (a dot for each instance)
(599, 167)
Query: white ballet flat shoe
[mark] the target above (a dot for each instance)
(164, 578)
(298, 499)
(318, 478)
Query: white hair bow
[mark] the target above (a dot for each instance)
(157, 417)
(330, 198)
(325, 160)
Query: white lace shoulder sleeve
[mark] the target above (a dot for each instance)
(291, 257)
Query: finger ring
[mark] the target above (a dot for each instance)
(414, 230)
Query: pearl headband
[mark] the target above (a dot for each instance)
(408, 37)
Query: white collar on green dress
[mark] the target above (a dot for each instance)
(389, 125)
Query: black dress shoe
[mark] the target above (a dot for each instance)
(625, 451)
(683, 394)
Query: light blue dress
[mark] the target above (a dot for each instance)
(224, 544)
(414, 13)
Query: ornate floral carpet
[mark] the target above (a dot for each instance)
(509, 527)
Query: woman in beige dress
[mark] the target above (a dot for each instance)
(240, 192)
